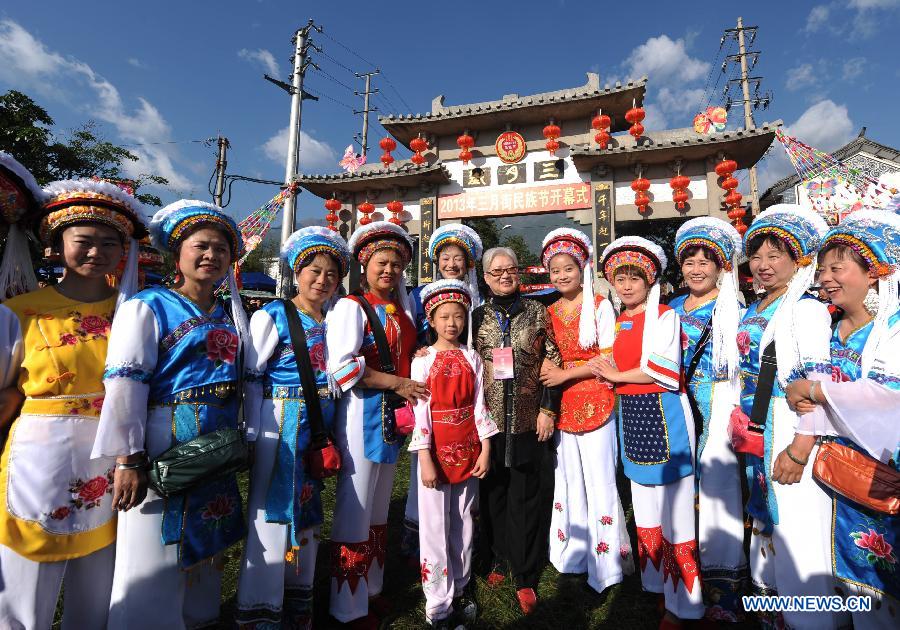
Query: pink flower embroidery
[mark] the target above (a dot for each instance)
(743, 342)
(93, 489)
(606, 520)
(837, 375)
(68, 339)
(306, 493)
(557, 506)
(602, 547)
(624, 552)
(685, 340)
(95, 325)
(426, 572)
(560, 535)
(221, 345)
(317, 357)
(97, 403)
(878, 550)
(217, 509)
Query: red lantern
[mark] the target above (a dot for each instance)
(387, 145)
(465, 142)
(726, 168)
(602, 138)
(602, 123)
(332, 205)
(635, 115)
(551, 132)
(366, 208)
(418, 144)
(733, 199)
(729, 183)
(641, 199)
(740, 227)
(395, 208)
(679, 185)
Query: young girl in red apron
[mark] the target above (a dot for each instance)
(451, 438)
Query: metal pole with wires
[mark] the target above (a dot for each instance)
(221, 163)
(285, 274)
(365, 110)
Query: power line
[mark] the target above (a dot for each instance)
(335, 61)
(332, 79)
(326, 97)
(207, 142)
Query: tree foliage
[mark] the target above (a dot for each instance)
(26, 133)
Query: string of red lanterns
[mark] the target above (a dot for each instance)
(465, 142)
(418, 145)
(640, 186)
(387, 145)
(551, 132)
(395, 207)
(332, 205)
(725, 169)
(635, 115)
(601, 124)
(366, 208)
(679, 185)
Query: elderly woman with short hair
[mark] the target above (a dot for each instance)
(509, 330)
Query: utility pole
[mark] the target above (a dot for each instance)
(295, 89)
(748, 102)
(221, 163)
(365, 110)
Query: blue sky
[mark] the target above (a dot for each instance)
(159, 75)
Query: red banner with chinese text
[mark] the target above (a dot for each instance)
(525, 200)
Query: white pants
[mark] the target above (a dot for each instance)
(30, 590)
(411, 514)
(587, 526)
(264, 572)
(362, 499)
(721, 513)
(666, 512)
(149, 588)
(445, 543)
(796, 559)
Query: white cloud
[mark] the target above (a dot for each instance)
(313, 153)
(26, 61)
(262, 57)
(853, 68)
(666, 60)
(801, 77)
(137, 63)
(874, 4)
(817, 18)
(825, 126)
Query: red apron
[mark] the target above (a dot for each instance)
(455, 444)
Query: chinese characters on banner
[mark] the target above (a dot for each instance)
(426, 210)
(530, 200)
(602, 219)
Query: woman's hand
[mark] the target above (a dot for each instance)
(421, 351)
(544, 427)
(427, 470)
(483, 463)
(797, 392)
(785, 470)
(129, 485)
(11, 400)
(602, 368)
(552, 376)
(411, 390)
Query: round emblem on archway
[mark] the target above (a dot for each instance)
(510, 146)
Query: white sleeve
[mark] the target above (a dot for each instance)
(345, 328)
(421, 435)
(483, 420)
(664, 360)
(606, 326)
(263, 341)
(11, 351)
(130, 362)
(812, 326)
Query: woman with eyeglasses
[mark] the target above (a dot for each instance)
(510, 330)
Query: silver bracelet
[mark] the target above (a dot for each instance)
(135, 466)
(812, 392)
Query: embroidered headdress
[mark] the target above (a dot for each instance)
(468, 241)
(313, 240)
(368, 239)
(577, 245)
(720, 238)
(650, 257)
(20, 196)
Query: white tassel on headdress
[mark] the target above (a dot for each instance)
(16, 270)
(128, 285)
(651, 318)
(587, 323)
(888, 303)
(476, 293)
(726, 316)
(238, 314)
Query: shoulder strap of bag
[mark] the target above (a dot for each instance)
(381, 342)
(760, 410)
(305, 371)
(239, 365)
(698, 351)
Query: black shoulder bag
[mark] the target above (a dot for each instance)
(747, 434)
(393, 401)
(689, 374)
(209, 456)
(322, 458)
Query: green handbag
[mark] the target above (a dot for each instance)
(190, 464)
